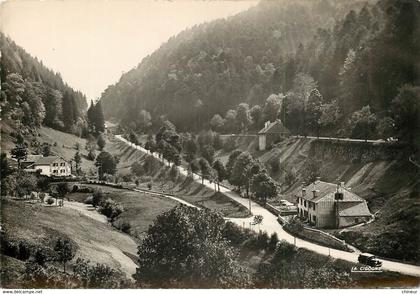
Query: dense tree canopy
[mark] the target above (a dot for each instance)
(186, 248)
(33, 95)
(211, 68)
(106, 163)
(324, 59)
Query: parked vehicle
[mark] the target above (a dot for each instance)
(369, 259)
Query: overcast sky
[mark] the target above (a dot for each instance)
(92, 42)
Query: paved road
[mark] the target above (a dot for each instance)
(271, 225)
(318, 138)
(345, 139)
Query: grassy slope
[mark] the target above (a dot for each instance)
(11, 272)
(96, 241)
(66, 143)
(190, 191)
(389, 186)
(140, 209)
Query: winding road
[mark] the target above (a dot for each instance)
(271, 225)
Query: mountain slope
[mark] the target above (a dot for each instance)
(213, 67)
(33, 95)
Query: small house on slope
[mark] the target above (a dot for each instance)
(49, 166)
(271, 133)
(327, 205)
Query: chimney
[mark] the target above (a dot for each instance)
(303, 189)
(266, 124)
(314, 190)
(339, 193)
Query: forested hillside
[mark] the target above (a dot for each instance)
(211, 67)
(33, 95)
(347, 68)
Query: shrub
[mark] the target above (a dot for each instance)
(272, 244)
(40, 256)
(110, 209)
(126, 227)
(75, 189)
(185, 235)
(8, 247)
(127, 178)
(43, 183)
(24, 251)
(50, 201)
(91, 155)
(42, 196)
(262, 240)
(95, 276)
(149, 185)
(250, 243)
(295, 226)
(235, 234)
(97, 197)
(89, 200)
(65, 251)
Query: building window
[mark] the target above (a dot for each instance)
(305, 203)
(314, 218)
(62, 171)
(55, 164)
(55, 171)
(62, 164)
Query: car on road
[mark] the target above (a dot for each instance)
(369, 259)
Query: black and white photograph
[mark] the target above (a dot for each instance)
(210, 144)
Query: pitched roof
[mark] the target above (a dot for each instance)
(46, 160)
(32, 158)
(326, 192)
(353, 209)
(273, 128)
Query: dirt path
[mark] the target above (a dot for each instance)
(87, 210)
(107, 253)
(167, 196)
